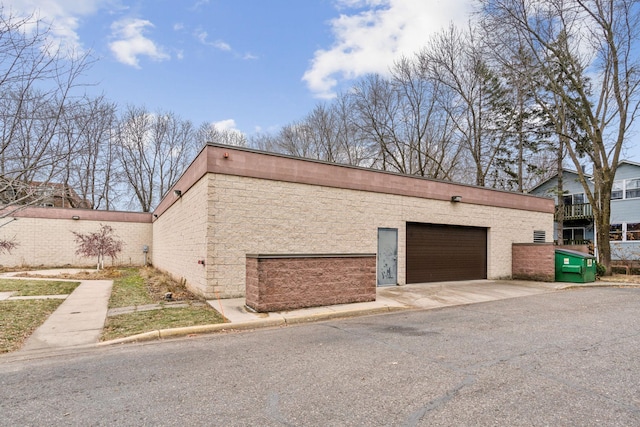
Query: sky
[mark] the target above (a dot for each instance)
(248, 65)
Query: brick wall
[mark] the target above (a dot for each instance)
(533, 261)
(45, 236)
(281, 283)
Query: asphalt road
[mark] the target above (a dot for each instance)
(565, 358)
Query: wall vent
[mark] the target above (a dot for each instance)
(539, 236)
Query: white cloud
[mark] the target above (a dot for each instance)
(63, 16)
(228, 124)
(376, 34)
(203, 37)
(131, 42)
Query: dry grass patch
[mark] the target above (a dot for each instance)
(110, 273)
(37, 287)
(125, 325)
(144, 286)
(18, 320)
(622, 278)
(129, 289)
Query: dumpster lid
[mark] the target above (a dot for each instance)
(575, 253)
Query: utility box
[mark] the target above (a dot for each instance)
(575, 267)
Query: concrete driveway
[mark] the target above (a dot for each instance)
(445, 294)
(392, 298)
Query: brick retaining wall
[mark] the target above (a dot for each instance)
(533, 261)
(288, 282)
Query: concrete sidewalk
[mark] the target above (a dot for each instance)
(78, 321)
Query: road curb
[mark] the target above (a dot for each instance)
(254, 324)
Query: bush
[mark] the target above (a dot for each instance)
(600, 270)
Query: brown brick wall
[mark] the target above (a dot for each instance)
(287, 283)
(533, 261)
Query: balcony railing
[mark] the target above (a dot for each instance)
(579, 211)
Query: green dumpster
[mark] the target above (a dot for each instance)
(574, 266)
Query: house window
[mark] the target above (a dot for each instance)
(632, 188)
(573, 235)
(616, 190)
(615, 232)
(633, 231)
(574, 199)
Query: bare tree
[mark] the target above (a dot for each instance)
(153, 151)
(585, 54)
(425, 128)
(87, 129)
(457, 60)
(355, 149)
(99, 244)
(37, 84)
(174, 146)
(135, 154)
(210, 132)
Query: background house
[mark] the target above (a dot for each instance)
(45, 194)
(577, 215)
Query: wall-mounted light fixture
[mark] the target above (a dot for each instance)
(155, 215)
(75, 217)
(178, 193)
(456, 199)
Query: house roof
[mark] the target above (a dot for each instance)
(629, 162)
(555, 176)
(589, 176)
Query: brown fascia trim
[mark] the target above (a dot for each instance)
(240, 161)
(82, 214)
(287, 256)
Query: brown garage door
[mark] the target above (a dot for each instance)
(438, 253)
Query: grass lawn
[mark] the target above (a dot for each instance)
(37, 287)
(142, 286)
(130, 289)
(18, 320)
(125, 325)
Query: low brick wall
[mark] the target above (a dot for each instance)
(288, 282)
(533, 261)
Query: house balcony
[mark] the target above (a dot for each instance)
(579, 211)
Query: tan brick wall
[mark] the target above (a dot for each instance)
(249, 216)
(50, 241)
(280, 284)
(534, 261)
(180, 238)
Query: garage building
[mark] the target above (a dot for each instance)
(233, 204)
